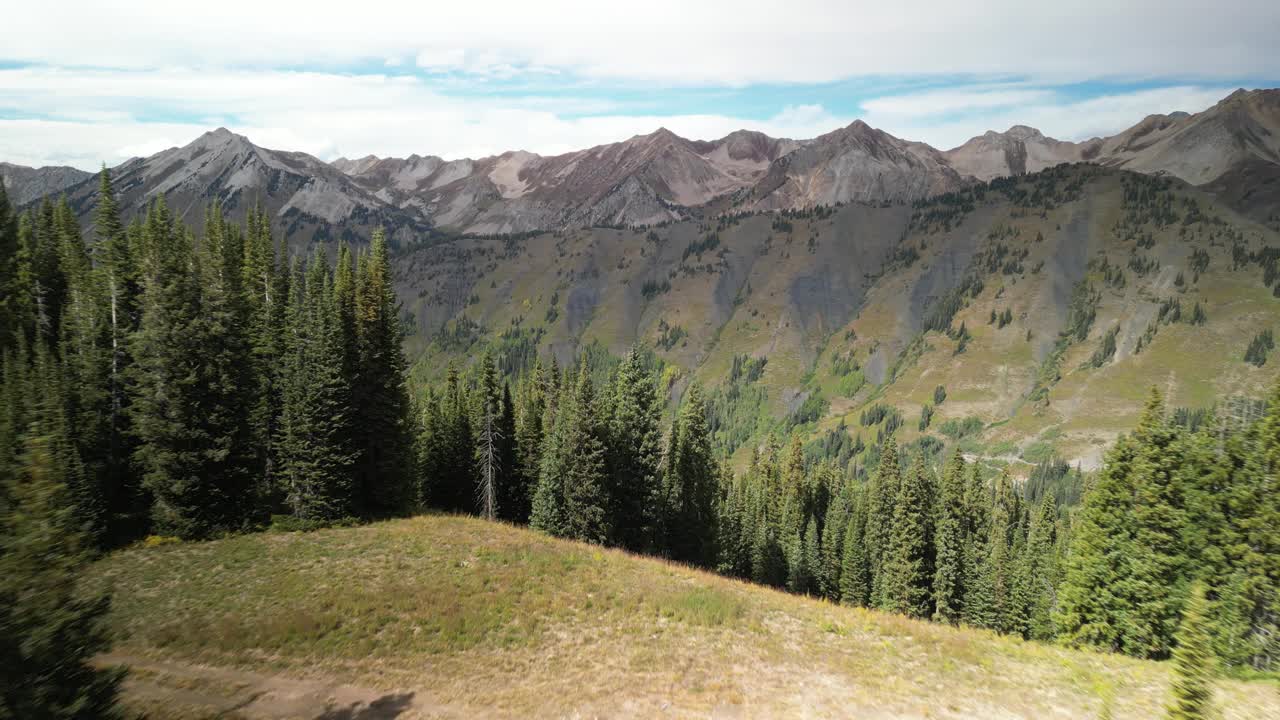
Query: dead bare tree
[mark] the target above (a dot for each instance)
(489, 467)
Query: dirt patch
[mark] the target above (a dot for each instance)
(169, 689)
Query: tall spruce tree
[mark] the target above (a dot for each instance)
(10, 288)
(317, 459)
(1039, 569)
(949, 542)
(882, 498)
(385, 441)
(690, 485)
(118, 270)
(530, 413)
(634, 455)
(855, 564)
(571, 499)
(182, 381)
(906, 571)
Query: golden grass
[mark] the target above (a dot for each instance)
(500, 621)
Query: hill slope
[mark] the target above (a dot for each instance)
(457, 617)
(864, 304)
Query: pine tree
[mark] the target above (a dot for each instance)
(49, 629)
(512, 498)
(227, 367)
(180, 375)
(317, 460)
(1039, 571)
(1193, 662)
(690, 485)
(85, 370)
(571, 499)
(1158, 560)
(811, 556)
(635, 455)
(384, 467)
(454, 482)
(266, 297)
(10, 288)
(979, 600)
(882, 498)
(834, 525)
(125, 501)
(907, 577)
(948, 578)
(532, 409)
(855, 565)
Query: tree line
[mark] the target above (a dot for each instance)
(159, 381)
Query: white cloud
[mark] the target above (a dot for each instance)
(90, 115)
(324, 114)
(917, 118)
(719, 42)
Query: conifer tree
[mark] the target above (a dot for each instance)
(998, 570)
(49, 629)
(531, 411)
(512, 500)
(178, 408)
(10, 288)
(635, 456)
(1158, 560)
(978, 593)
(118, 269)
(316, 455)
(227, 366)
(384, 466)
(690, 485)
(571, 499)
(906, 575)
(834, 526)
(855, 565)
(811, 556)
(265, 285)
(882, 499)
(1193, 662)
(1039, 571)
(948, 578)
(454, 482)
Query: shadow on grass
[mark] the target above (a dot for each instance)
(384, 708)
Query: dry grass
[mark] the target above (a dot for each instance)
(480, 618)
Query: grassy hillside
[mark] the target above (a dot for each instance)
(846, 306)
(456, 617)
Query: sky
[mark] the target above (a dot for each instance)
(84, 83)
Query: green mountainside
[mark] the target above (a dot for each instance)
(1024, 318)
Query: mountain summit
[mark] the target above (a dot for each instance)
(661, 177)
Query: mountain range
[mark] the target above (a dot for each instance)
(1016, 295)
(1232, 148)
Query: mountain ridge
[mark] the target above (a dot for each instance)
(660, 177)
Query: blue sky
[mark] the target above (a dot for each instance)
(83, 83)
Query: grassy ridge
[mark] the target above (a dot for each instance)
(481, 617)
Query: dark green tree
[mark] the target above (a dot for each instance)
(50, 629)
(634, 454)
(315, 451)
(690, 485)
(855, 565)
(385, 469)
(949, 543)
(1193, 662)
(906, 571)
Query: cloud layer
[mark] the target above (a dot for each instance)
(91, 82)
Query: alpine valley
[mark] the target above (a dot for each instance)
(1016, 295)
